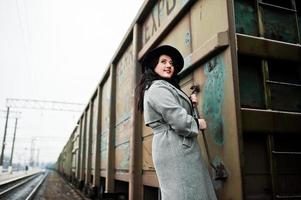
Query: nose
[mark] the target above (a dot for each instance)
(169, 65)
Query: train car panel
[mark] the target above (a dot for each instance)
(216, 105)
(180, 36)
(245, 17)
(88, 157)
(230, 151)
(93, 140)
(148, 169)
(160, 16)
(207, 19)
(125, 97)
(147, 163)
(75, 154)
(69, 157)
(122, 157)
(105, 120)
(147, 137)
(124, 109)
(82, 150)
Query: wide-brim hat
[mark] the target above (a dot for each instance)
(177, 58)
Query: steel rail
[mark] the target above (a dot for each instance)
(6, 182)
(36, 189)
(19, 183)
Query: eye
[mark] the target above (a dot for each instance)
(163, 61)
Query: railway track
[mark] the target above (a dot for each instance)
(22, 188)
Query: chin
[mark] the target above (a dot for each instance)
(167, 75)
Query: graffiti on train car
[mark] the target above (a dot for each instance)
(124, 87)
(123, 65)
(159, 15)
(214, 97)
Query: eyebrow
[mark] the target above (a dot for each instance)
(166, 59)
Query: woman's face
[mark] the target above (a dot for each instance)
(165, 67)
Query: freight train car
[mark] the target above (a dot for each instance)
(65, 158)
(246, 58)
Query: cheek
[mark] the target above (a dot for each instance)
(158, 68)
(173, 71)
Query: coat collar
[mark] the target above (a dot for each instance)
(180, 92)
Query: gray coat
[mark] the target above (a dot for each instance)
(180, 169)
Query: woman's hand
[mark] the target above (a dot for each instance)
(202, 124)
(194, 99)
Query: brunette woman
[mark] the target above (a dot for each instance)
(180, 169)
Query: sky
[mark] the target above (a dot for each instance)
(54, 50)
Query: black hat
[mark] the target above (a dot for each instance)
(175, 55)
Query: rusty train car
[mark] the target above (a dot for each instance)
(246, 58)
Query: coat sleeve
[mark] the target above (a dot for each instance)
(165, 102)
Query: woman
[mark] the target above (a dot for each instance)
(181, 172)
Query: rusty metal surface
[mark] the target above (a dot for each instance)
(285, 85)
(280, 24)
(216, 105)
(267, 48)
(287, 163)
(269, 120)
(246, 17)
(256, 174)
(251, 82)
(277, 158)
(277, 20)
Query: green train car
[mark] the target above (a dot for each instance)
(246, 58)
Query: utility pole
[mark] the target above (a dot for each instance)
(3, 143)
(10, 168)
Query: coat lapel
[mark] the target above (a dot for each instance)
(180, 92)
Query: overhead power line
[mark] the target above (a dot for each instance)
(12, 114)
(35, 105)
(44, 105)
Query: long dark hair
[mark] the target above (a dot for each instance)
(146, 80)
